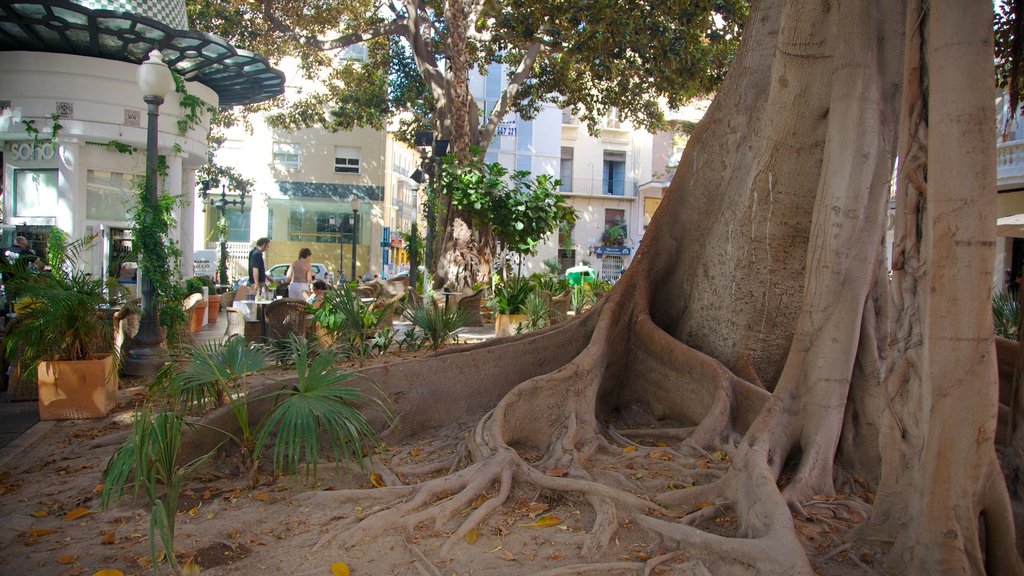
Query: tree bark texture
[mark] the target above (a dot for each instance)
(758, 322)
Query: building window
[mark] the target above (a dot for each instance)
(286, 155)
(565, 170)
(35, 193)
(346, 160)
(109, 195)
(319, 226)
(615, 229)
(353, 53)
(613, 178)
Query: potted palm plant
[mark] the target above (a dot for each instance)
(62, 334)
(509, 303)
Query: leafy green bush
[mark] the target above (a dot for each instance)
(510, 296)
(194, 285)
(582, 297)
(344, 315)
(439, 326)
(1006, 315)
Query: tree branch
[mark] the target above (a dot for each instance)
(393, 27)
(522, 73)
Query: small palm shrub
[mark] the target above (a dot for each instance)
(1006, 315)
(350, 320)
(317, 404)
(438, 325)
(537, 312)
(149, 458)
(581, 298)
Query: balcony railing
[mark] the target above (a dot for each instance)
(1010, 163)
(622, 188)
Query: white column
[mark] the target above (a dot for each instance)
(70, 209)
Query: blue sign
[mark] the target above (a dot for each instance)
(612, 250)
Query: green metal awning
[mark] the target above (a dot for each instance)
(237, 76)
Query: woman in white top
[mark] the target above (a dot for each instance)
(300, 274)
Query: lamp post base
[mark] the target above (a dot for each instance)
(145, 360)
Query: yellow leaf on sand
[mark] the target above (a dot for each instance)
(40, 514)
(190, 569)
(108, 572)
(194, 510)
(262, 497)
(536, 508)
(415, 452)
(545, 521)
(339, 569)
(376, 480)
(629, 449)
(41, 532)
(66, 559)
(76, 513)
(97, 490)
(479, 501)
(704, 505)
(471, 536)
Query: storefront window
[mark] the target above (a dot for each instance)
(35, 193)
(109, 195)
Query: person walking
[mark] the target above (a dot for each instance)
(257, 267)
(300, 274)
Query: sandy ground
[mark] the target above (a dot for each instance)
(52, 522)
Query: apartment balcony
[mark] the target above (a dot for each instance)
(616, 188)
(1010, 165)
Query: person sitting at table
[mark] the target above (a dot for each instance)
(300, 274)
(315, 298)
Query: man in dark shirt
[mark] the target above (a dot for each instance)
(257, 267)
(19, 253)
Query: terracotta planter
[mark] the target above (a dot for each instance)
(505, 324)
(214, 309)
(198, 315)
(70, 390)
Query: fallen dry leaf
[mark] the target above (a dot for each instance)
(629, 449)
(41, 532)
(262, 497)
(415, 452)
(471, 536)
(536, 508)
(704, 505)
(66, 559)
(108, 538)
(556, 472)
(108, 572)
(97, 490)
(545, 521)
(479, 501)
(72, 571)
(190, 569)
(76, 513)
(376, 480)
(506, 555)
(339, 569)
(40, 514)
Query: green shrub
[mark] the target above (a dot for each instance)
(438, 326)
(1006, 315)
(537, 312)
(510, 296)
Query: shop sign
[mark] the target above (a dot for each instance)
(612, 250)
(32, 151)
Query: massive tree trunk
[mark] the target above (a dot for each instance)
(759, 323)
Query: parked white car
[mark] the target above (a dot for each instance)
(277, 272)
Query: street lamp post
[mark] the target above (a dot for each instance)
(221, 204)
(148, 353)
(355, 229)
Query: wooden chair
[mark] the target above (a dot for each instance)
(284, 317)
(558, 311)
(236, 324)
(470, 306)
(227, 299)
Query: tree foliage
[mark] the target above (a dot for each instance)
(588, 56)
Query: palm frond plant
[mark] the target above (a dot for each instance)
(217, 374)
(411, 340)
(537, 312)
(437, 325)
(1006, 315)
(318, 404)
(344, 315)
(383, 340)
(148, 460)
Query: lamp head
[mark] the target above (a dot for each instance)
(418, 176)
(155, 77)
(355, 204)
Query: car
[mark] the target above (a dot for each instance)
(277, 272)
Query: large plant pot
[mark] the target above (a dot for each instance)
(214, 309)
(69, 390)
(198, 316)
(505, 324)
